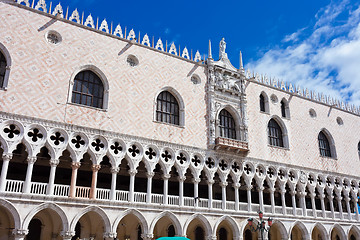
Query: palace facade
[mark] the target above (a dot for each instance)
(107, 134)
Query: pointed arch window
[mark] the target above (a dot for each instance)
(88, 89)
(283, 108)
(275, 134)
(167, 108)
(3, 65)
(262, 103)
(324, 145)
(227, 125)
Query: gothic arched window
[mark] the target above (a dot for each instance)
(88, 89)
(3, 64)
(167, 108)
(227, 125)
(262, 103)
(275, 134)
(324, 145)
(283, 108)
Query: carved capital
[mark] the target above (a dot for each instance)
(67, 234)
(8, 67)
(114, 169)
(150, 174)
(95, 167)
(147, 236)
(75, 165)
(196, 180)
(20, 232)
(110, 235)
(132, 172)
(210, 181)
(7, 156)
(31, 160)
(223, 184)
(166, 176)
(236, 185)
(181, 178)
(54, 162)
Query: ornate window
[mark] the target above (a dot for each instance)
(88, 89)
(227, 125)
(167, 108)
(3, 65)
(275, 134)
(324, 145)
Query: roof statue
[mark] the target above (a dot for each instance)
(222, 45)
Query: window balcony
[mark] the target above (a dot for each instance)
(231, 144)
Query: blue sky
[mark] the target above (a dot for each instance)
(312, 43)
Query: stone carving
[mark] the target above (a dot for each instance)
(131, 35)
(173, 49)
(75, 16)
(58, 11)
(41, 4)
(197, 57)
(185, 53)
(159, 45)
(227, 82)
(146, 40)
(104, 26)
(118, 31)
(24, 1)
(222, 47)
(89, 21)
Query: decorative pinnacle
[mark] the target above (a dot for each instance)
(210, 55)
(241, 61)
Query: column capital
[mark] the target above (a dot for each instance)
(166, 176)
(95, 167)
(261, 188)
(210, 181)
(321, 196)
(248, 187)
(181, 178)
(31, 160)
(67, 234)
(114, 169)
(223, 184)
(272, 190)
(132, 172)
(150, 174)
(147, 236)
(313, 195)
(346, 198)
(196, 180)
(54, 162)
(20, 232)
(111, 235)
(7, 156)
(75, 165)
(302, 193)
(292, 193)
(236, 185)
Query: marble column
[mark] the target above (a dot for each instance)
(95, 169)
(181, 190)
(114, 171)
(149, 176)
(248, 190)
(347, 200)
(196, 182)
(27, 185)
(236, 188)
(166, 186)
(210, 193)
(20, 234)
(132, 174)
(338, 199)
(331, 199)
(283, 202)
(75, 166)
(6, 159)
(293, 201)
(223, 194)
(53, 165)
(313, 205)
(261, 198)
(272, 199)
(302, 195)
(322, 202)
(355, 199)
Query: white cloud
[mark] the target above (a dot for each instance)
(325, 61)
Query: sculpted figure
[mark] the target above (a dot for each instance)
(222, 47)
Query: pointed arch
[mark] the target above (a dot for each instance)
(339, 229)
(302, 227)
(326, 144)
(100, 77)
(137, 214)
(264, 102)
(5, 66)
(177, 112)
(202, 219)
(282, 229)
(56, 208)
(355, 231)
(233, 224)
(13, 211)
(95, 209)
(277, 133)
(285, 111)
(321, 228)
(172, 217)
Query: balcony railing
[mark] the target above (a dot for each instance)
(15, 186)
(232, 144)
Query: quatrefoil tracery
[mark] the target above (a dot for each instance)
(116, 147)
(97, 144)
(11, 131)
(35, 135)
(78, 141)
(57, 138)
(150, 153)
